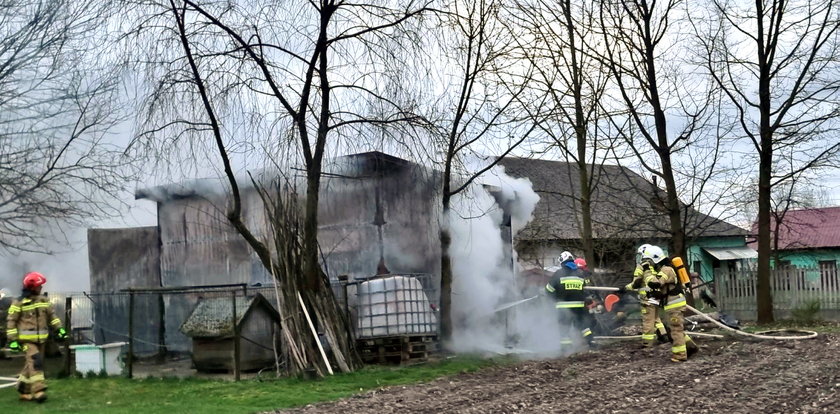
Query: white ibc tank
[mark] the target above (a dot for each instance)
(395, 305)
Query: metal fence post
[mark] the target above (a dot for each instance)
(130, 334)
(236, 372)
(68, 325)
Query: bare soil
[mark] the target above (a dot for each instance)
(731, 375)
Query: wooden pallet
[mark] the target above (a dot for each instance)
(397, 349)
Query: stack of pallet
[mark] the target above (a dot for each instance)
(397, 349)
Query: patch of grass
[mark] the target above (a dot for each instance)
(121, 395)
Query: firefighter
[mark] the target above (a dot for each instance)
(665, 288)
(570, 300)
(30, 320)
(652, 326)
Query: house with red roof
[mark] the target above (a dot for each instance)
(807, 238)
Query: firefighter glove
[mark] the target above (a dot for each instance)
(654, 284)
(622, 290)
(645, 266)
(15, 346)
(62, 333)
(637, 283)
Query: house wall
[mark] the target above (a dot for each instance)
(696, 253)
(123, 258)
(400, 201)
(811, 258)
(200, 247)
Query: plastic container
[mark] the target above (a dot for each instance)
(394, 305)
(99, 358)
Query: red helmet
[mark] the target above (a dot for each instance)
(581, 263)
(33, 280)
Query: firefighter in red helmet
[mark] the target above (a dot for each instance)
(30, 320)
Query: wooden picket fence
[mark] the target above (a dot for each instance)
(791, 288)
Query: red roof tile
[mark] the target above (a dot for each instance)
(808, 228)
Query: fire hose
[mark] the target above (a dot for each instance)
(759, 335)
(9, 384)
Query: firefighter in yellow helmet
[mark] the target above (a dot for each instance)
(665, 287)
(652, 326)
(28, 325)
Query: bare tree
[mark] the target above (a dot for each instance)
(659, 111)
(559, 35)
(299, 79)
(478, 115)
(58, 169)
(788, 49)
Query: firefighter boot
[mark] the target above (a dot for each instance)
(690, 347)
(39, 396)
(26, 397)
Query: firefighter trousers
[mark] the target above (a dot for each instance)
(581, 321)
(651, 324)
(31, 379)
(682, 343)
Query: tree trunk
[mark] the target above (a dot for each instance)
(764, 298)
(445, 271)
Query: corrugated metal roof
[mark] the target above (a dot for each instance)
(732, 253)
(808, 228)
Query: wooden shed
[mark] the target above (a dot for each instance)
(210, 326)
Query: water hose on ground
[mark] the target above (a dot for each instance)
(759, 335)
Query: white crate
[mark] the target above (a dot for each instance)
(96, 358)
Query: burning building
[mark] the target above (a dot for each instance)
(377, 214)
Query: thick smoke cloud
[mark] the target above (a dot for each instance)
(484, 277)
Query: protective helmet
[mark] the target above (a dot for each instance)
(581, 263)
(642, 248)
(566, 256)
(33, 280)
(654, 254)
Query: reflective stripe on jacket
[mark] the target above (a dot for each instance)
(30, 320)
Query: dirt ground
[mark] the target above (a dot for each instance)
(731, 375)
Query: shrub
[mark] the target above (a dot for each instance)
(807, 312)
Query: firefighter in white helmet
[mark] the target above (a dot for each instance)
(570, 300)
(665, 287)
(652, 326)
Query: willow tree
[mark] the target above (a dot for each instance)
(285, 83)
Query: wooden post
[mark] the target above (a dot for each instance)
(68, 325)
(162, 351)
(236, 372)
(130, 357)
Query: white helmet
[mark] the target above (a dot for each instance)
(566, 256)
(642, 248)
(654, 254)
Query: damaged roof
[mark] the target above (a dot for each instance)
(624, 204)
(211, 318)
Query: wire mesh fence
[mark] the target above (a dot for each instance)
(230, 329)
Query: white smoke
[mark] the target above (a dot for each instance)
(484, 277)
